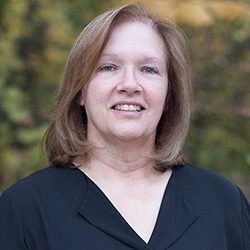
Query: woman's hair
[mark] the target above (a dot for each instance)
(66, 136)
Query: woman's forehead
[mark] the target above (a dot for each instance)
(135, 37)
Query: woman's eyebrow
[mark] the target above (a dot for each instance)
(109, 55)
(153, 59)
(145, 59)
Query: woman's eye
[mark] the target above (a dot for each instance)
(149, 70)
(107, 68)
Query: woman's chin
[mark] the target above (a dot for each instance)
(130, 136)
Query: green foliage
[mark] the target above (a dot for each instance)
(219, 136)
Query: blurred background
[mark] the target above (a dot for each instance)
(35, 39)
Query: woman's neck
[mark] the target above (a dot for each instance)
(123, 160)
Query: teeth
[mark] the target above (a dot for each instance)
(126, 107)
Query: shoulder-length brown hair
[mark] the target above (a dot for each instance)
(65, 138)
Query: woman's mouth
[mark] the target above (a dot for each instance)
(128, 107)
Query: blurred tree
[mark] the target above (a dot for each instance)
(222, 117)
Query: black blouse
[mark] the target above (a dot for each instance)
(62, 209)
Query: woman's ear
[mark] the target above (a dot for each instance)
(82, 98)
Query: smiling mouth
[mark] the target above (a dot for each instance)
(128, 107)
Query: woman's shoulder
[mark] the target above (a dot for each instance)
(208, 186)
(45, 183)
(42, 177)
(203, 177)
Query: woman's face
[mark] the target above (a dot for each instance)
(125, 96)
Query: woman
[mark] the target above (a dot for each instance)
(117, 180)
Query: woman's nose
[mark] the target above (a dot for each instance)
(128, 82)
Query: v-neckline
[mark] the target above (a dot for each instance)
(101, 212)
(94, 184)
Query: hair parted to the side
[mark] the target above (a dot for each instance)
(66, 136)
